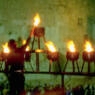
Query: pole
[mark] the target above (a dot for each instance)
(37, 56)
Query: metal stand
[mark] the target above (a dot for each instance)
(73, 64)
(88, 66)
(57, 63)
(38, 33)
(1, 65)
(37, 53)
(88, 57)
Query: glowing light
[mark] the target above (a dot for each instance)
(50, 46)
(71, 46)
(6, 48)
(39, 50)
(88, 47)
(36, 20)
(27, 48)
(24, 42)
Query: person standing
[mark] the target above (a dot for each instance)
(14, 66)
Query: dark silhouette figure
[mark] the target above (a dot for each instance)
(14, 67)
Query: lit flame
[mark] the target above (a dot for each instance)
(50, 46)
(27, 48)
(36, 20)
(71, 46)
(24, 42)
(38, 50)
(88, 47)
(6, 48)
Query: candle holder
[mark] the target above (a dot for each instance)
(39, 31)
(88, 57)
(73, 57)
(53, 57)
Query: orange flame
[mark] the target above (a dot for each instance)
(27, 48)
(71, 46)
(24, 42)
(36, 20)
(88, 47)
(39, 50)
(50, 46)
(5, 48)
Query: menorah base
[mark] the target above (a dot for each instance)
(73, 64)
(89, 63)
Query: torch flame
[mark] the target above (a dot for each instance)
(5, 48)
(36, 20)
(71, 46)
(27, 48)
(50, 46)
(39, 50)
(24, 42)
(88, 47)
